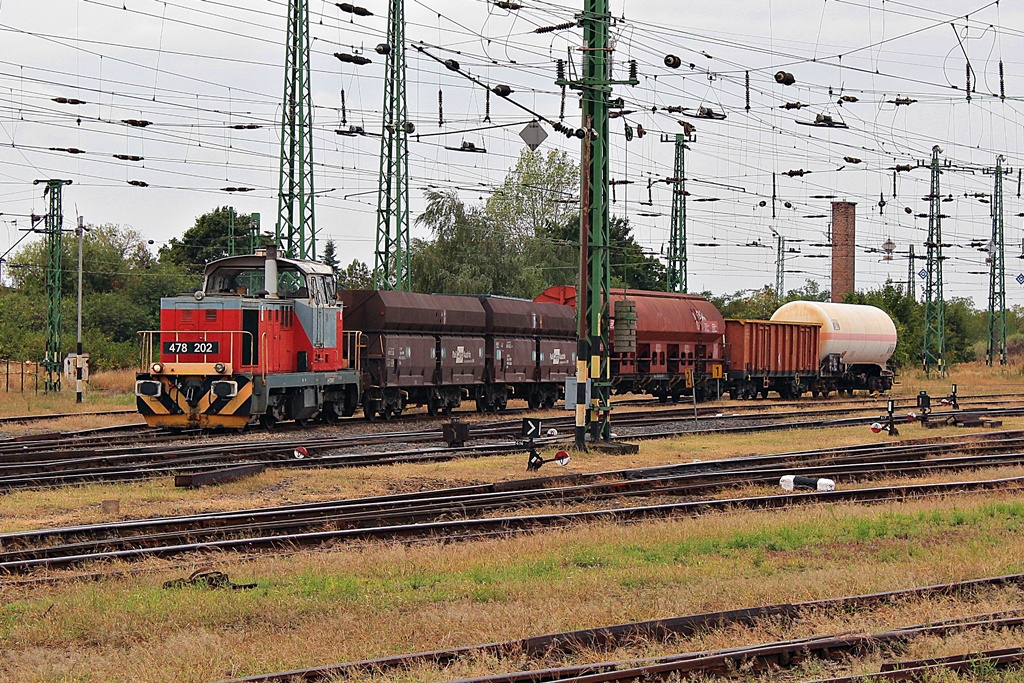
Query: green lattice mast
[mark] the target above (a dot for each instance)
(296, 229)
(391, 258)
(593, 297)
(53, 363)
(677, 239)
(997, 276)
(934, 354)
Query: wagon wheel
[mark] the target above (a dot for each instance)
(370, 409)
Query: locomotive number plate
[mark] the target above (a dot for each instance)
(200, 347)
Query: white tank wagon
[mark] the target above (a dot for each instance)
(855, 345)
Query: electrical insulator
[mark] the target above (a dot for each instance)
(383, 49)
(502, 90)
(138, 183)
(748, 90)
(673, 62)
(560, 69)
(785, 78)
(851, 160)
(344, 113)
(632, 70)
(580, 133)
(1002, 82)
(440, 107)
(352, 9)
(451, 65)
(487, 107)
(908, 209)
(409, 128)
(137, 123)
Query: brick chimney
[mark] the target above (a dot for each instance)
(844, 239)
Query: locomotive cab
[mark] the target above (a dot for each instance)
(263, 339)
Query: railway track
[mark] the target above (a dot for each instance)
(94, 458)
(13, 419)
(611, 637)
(468, 512)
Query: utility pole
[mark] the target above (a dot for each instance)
(911, 273)
(52, 362)
(997, 276)
(231, 231)
(593, 299)
(254, 235)
(677, 281)
(391, 259)
(296, 229)
(780, 266)
(934, 353)
(79, 360)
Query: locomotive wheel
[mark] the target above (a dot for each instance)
(267, 421)
(734, 394)
(764, 392)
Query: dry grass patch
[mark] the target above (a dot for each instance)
(353, 603)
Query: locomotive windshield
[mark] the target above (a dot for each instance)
(249, 281)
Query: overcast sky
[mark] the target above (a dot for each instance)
(196, 68)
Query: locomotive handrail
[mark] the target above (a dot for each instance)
(353, 343)
(148, 336)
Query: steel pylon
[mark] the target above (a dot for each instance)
(593, 301)
(53, 362)
(391, 258)
(677, 280)
(296, 228)
(996, 341)
(933, 355)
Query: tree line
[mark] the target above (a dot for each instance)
(521, 239)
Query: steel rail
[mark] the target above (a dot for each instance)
(520, 523)
(99, 465)
(877, 457)
(614, 636)
(441, 505)
(919, 669)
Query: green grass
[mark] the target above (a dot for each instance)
(768, 549)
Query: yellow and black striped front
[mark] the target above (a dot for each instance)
(194, 402)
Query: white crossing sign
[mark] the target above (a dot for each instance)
(922, 273)
(1020, 279)
(531, 427)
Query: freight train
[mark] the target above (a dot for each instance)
(268, 339)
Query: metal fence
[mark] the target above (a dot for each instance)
(20, 377)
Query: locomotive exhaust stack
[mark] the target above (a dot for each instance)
(270, 272)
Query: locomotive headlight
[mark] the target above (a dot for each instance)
(157, 368)
(220, 367)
